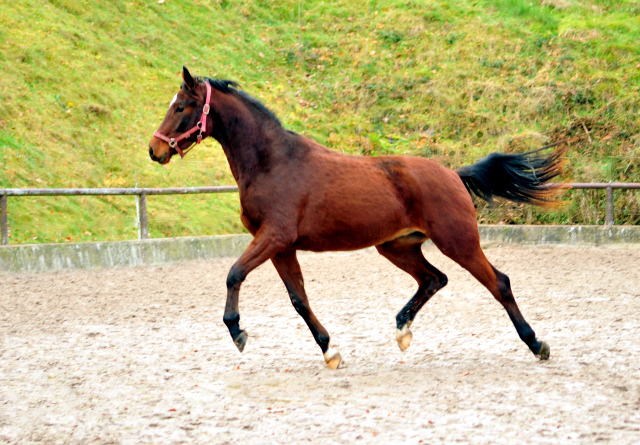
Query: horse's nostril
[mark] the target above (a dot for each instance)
(153, 158)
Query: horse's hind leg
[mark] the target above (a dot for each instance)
(288, 268)
(463, 246)
(406, 253)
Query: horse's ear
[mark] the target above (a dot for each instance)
(188, 80)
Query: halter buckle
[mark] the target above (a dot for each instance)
(205, 109)
(172, 143)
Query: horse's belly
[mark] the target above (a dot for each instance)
(336, 243)
(340, 235)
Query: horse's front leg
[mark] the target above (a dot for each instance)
(265, 244)
(288, 268)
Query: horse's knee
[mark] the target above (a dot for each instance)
(235, 277)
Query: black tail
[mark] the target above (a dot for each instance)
(517, 177)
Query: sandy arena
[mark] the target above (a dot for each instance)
(137, 356)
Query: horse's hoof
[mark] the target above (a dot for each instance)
(241, 340)
(333, 358)
(544, 352)
(404, 337)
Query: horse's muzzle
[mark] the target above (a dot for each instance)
(161, 159)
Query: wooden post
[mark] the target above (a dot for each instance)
(4, 221)
(608, 220)
(144, 224)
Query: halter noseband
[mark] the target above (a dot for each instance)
(201, 125)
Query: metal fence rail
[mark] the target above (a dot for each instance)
(609, 216)
(140, 192)
(143, 192)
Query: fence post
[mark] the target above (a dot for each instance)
(144, 224)
(608, 220)
(4, 221)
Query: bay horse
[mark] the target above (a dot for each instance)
(296, 194)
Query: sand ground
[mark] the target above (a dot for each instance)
(141, 355)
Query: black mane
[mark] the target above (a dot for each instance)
(232, 87)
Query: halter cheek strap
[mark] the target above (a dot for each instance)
(201, 125)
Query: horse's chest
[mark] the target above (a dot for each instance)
(250, 219)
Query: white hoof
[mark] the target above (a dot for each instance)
(404, 337)
(333, 358)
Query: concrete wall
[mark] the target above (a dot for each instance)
(595, 236)
(55, 257)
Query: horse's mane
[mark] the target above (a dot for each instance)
(232, 87)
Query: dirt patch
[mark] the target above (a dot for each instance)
(141, 355)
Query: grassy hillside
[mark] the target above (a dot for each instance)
(85, 83)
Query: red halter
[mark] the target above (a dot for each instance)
(201, 125)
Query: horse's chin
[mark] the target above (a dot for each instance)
(165, 158)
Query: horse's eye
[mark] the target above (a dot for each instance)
(179, 110)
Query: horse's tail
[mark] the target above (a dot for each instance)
(517, 177)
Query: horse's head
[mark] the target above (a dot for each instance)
(185, 122)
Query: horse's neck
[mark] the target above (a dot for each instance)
(247, 144)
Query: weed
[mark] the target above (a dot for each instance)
(84, 86)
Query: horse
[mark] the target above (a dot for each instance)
(295, 194)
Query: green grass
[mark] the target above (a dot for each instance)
(85, 84)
